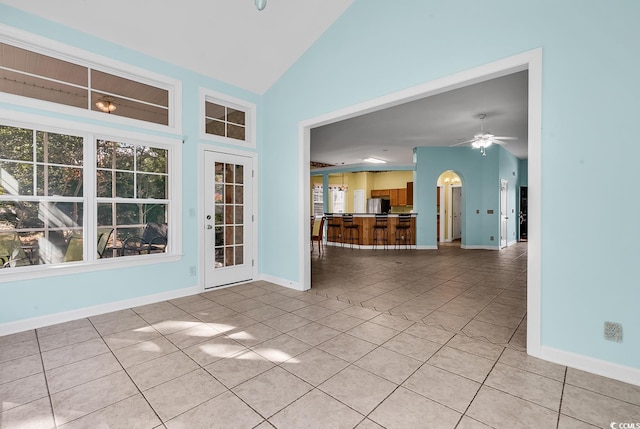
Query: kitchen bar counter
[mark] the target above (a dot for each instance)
(365, 222)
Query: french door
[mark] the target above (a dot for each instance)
(228, 219)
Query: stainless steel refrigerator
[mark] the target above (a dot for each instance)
(378, 205)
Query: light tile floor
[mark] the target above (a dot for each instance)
(385, 339)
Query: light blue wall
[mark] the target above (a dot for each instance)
(27, 299)
(589, 112)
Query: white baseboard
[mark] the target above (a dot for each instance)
(282, 282)
(427, 247)
(622, 373)
(511, 243)
(478, 247)
(66, 316)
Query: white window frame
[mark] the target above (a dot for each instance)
(236, 103)
(91, 133)
(41, 45)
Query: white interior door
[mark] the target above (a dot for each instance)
(504, 212)
(456, 209)
(228, 219)
(358, 201)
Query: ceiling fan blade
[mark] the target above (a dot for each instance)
(461, 143)
(505, 138)
(499, 141)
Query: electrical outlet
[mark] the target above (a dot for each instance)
(491, 238)
(613, 331)
(192, 270)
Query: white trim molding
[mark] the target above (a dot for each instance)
(622, 373)
(281, 282)
(52, 319)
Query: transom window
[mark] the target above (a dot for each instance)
(31, 74)
(225, 121)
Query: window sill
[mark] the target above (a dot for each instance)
(42, 271)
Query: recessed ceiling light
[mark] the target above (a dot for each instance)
(374, 161)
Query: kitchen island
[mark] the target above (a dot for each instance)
(366, 222)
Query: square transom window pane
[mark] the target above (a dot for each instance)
(236, 132)
(214, 111)
(215, 127)
(235, 116)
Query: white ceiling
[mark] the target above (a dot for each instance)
(440, 120)
(229, 40)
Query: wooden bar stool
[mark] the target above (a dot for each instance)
(334, 228)
(403, 230)
(381, 230)
(349, 226)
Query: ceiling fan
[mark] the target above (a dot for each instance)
(484, 139)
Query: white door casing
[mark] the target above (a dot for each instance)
(228, 218)
(456, 202)
(504, 212)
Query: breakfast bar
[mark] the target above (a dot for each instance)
(367, 230)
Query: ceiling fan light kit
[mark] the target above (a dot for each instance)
(106, 105)
(483, 140)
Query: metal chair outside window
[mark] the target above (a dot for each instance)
(381, 230)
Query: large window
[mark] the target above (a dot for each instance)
(133, 196)
(53, 183)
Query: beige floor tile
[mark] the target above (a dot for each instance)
(430, 333)
(290, 304)
(444, 387)
(334, 304)
(596, 409)
(501, 410)
(20, 392)
(314, 312)
(314, 333)
(271, 297)
(254, 334)
(606, 386)
(120, 324)
(222, 412)
(414, 347)
(281, 348)
(263, 313)
(469, 423)
(521, 360)
(34, 415)
(373, 333)
(360, 312)
(494, 333)
(462, 363)
(287, 322)
(348, 386)
(368, 424)
(212, 314)
(19, 350)
(317, 410)
(86, 398)
(128, 338)
(114, 315)
(183, 393)
(7, 340)
(154, 372)
(388, 364)
(67, 338)
(59, 328)
(237, 369)
(314, 366)
(526, 385)
(156, 306)
(74, 353)
(175, 324)
(231, 323)
(347, 347)
(161, 315)
(340, 322)
(244, 305)
(566, 422)
(74, 374)
(283, 389)
(144, 351)
(394, 322)
(405, 409)
(213, 350)
(133, 412)
(225, 298)
(476, 346)
(192, 336)
(199, 304)
(20, 368)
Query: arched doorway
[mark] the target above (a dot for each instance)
(449, 208)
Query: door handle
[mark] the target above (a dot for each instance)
(209, 227)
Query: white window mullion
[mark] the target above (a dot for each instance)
(90, 217)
